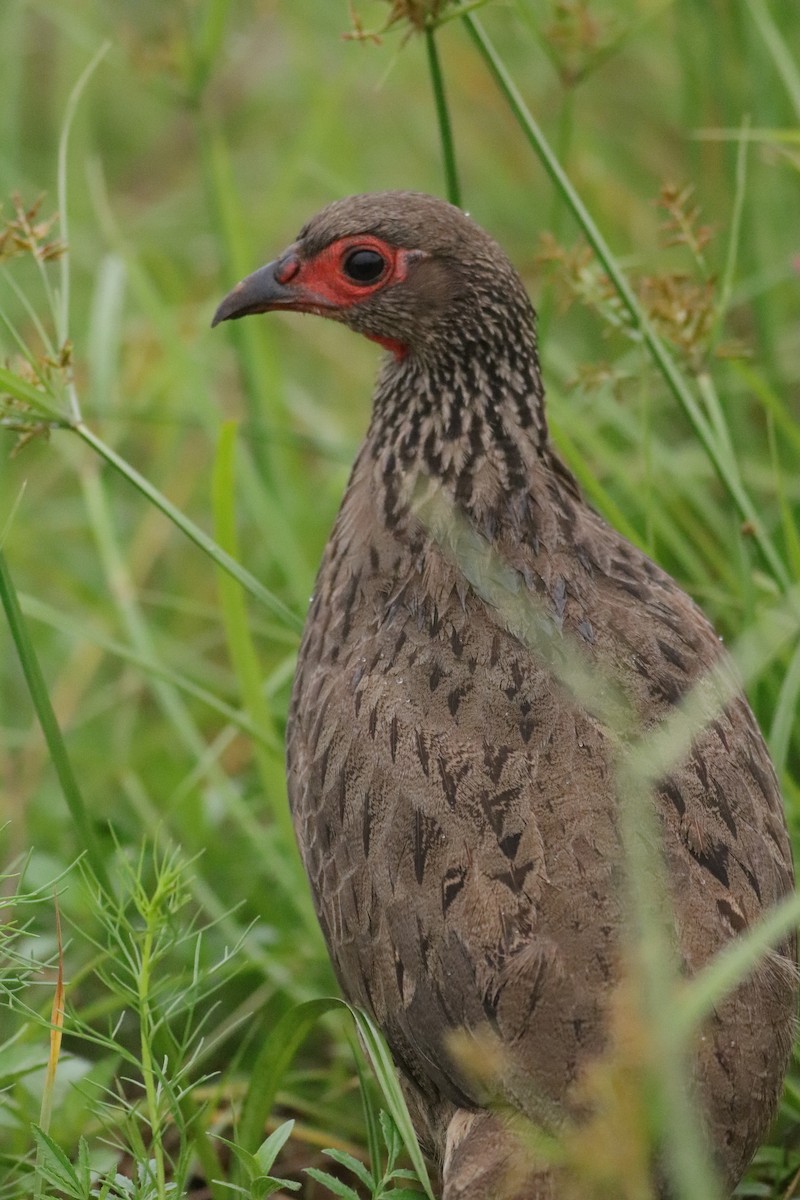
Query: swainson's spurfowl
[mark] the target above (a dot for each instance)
(455, 795)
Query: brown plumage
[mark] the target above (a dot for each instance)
(453, 793)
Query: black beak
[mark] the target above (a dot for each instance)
(259, 292)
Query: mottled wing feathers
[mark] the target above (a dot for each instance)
(456, 805)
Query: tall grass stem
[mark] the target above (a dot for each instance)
(61, 310)
(443, 119)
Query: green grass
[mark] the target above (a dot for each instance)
(162, 518)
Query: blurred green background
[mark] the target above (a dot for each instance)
(205, 137)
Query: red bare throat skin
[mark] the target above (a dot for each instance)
(398, 349)
(323, 284)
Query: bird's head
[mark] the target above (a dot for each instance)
(402, 268)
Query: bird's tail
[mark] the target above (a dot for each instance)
(485, 1159)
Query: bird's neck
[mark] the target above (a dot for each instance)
(468, 418)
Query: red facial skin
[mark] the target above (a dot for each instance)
(322, 284)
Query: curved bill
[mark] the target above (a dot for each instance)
(259, 292)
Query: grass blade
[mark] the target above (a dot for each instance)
(47, 719)
(192, 531)
(272, 1063)
(280, 1048)
(28, 394)
(732, 964)
(785, 714)
(779, 52)
(384, 1069)
(148, 665)
(61, 313)
(729, 271)
(370, 1117)
(242, 649)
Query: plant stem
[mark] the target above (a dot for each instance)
(146, 1032)
(443, 118)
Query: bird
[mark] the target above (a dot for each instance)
(453, 739)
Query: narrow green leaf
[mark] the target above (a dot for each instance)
(785, 715)
(105, 331)
(253, 341)
(331, 1183)
(269, 1149)
(728, 968)
(370, 1117)
(273, 1061)
(782, 56)
(52, 733)
(734, 238)
(242, 649)
(207, 43)
(62, 313)
(53, 1164)
(387, 1078)
(38, 400)
(353, 1165)
(390, 1136)
(272, 1185)
(192, 531)
(249, 1161)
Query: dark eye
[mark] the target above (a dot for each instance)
(364, 266)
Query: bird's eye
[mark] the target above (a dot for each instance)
(364, 266)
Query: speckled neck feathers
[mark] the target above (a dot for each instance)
(469, 412)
